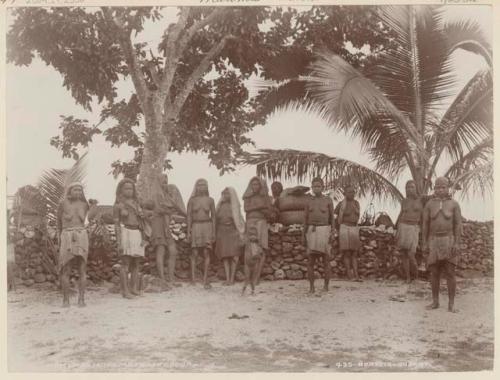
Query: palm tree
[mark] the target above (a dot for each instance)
(49, 191)
(396, 109)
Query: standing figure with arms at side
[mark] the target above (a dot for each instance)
(74, 241)
(319, 225)
(348, 212)
(165, 205)
(230, 229)
(441, 234)
(258, 208)
(130, 238)
(408, 228)
(201, 227)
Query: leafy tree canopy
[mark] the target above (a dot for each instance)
(233, 43)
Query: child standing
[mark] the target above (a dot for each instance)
(73, 238)
(258, 209)
(128, 217)
(201, 227)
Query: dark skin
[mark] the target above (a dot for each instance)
(161, 249)
(128, 264)
(201, 208)
(411, 212)
(256, 188)
(230, 263)
(251, 270)
(350, 256)
(72, 214)
(317, 189)
(442, 214)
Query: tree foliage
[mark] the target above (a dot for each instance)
(393, 105)
(94, 49)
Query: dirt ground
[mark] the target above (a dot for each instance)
(356, 327)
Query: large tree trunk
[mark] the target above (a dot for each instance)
(155, 148)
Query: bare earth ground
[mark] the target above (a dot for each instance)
(356, 327)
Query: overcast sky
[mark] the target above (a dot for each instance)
(36, 98)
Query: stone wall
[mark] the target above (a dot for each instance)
(35, 255)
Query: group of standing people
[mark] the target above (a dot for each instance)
(222, 228)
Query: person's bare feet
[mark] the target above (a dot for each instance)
(432, 306)
(325, 288)
(81, 303)
(135, 293)
(311, 290)
(65, 303)
(207, 286)
(452, 309)
(127, 296)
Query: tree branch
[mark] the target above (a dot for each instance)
(130, 57)
(216, 14)
(199, 71)
(177, 44)
(172, 55)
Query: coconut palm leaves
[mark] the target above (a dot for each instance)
(397, 107)
(53, 182)
(289, 163)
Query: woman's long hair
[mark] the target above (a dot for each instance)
(239, 222)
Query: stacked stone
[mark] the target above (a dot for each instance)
(36, 255)
(34, 260)
(477, 247)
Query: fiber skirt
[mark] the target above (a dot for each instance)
(441, 248)
(160, 231)
(349, 238)
(74, 243)
(131, 242)
(262, 228)
(407, 237)
(318, 239)
(202, 234)
(228, 242)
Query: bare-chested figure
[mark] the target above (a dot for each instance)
(258, 209)
(167, 202)
(347, 213)
(201, 227)
(408, 228)
(441, 233)
(73, 238)
(129, 226)
(319, 225)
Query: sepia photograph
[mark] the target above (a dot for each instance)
(249, 186)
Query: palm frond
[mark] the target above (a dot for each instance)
(337, 172)
(478, 180)
(469, 119)
(53, 182)
(275, 95)
(479, 156)
(416, 75)
(349, 98)
(467, 35)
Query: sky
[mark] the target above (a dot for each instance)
(35, 97)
